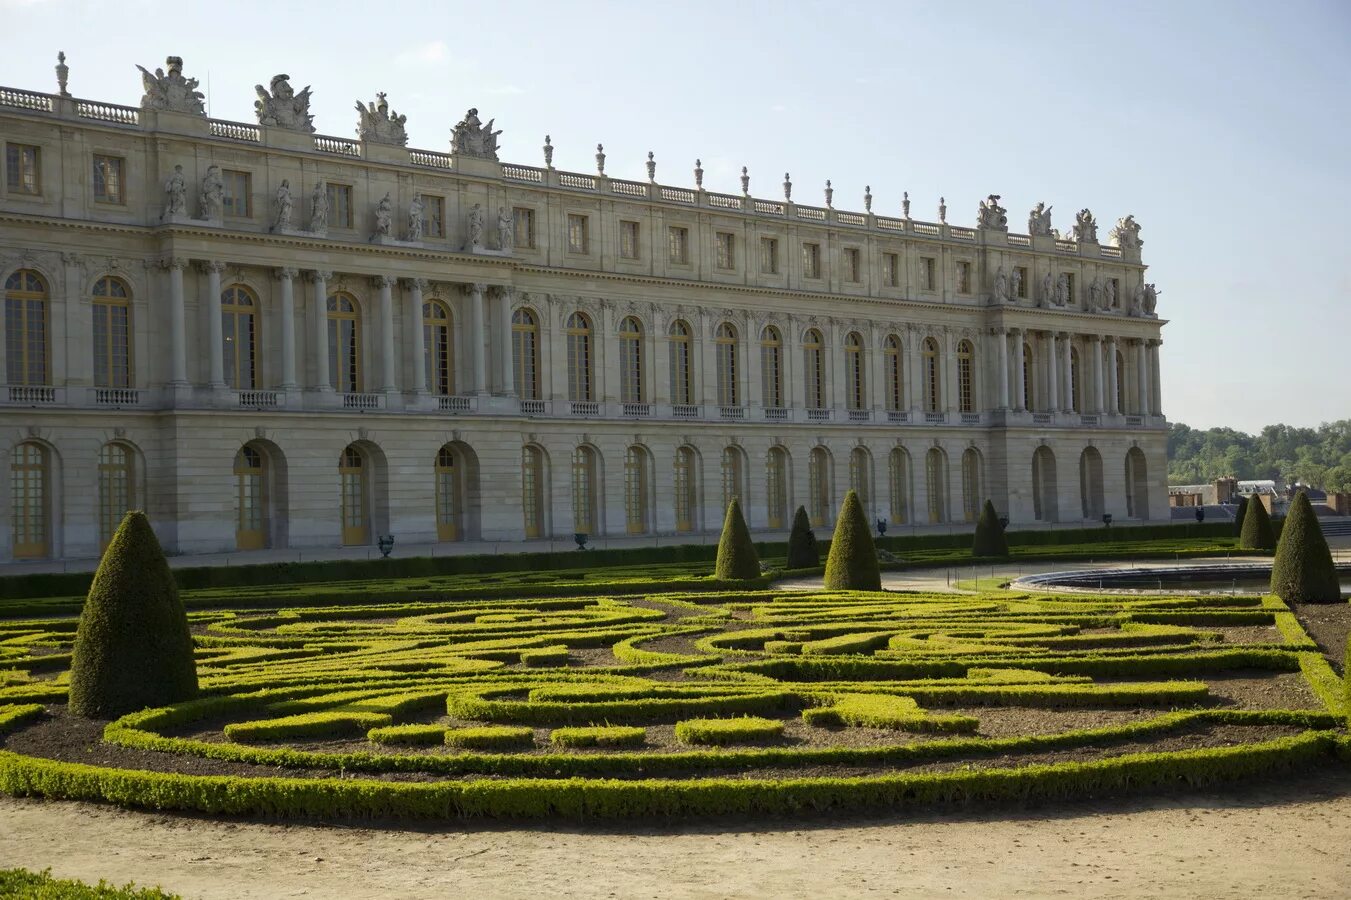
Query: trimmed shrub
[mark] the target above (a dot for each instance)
(42, 886)
(407, 734)
(132, 647)
(491, 737)
(1257, 533)
(545, 656)
(338, 723)
(737, 559)
(852, 564)
(885, 711)
(599, 736)
(989, 540)
(727, 731)
(1303, 571)
(802, 550)
(1240, 515)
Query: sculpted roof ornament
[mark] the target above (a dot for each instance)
(282, 107)
(377, 125)
(171, 91)
(471, 137)
(1085, 227)
(991, 215)
(1039, 220)
(1126, 234)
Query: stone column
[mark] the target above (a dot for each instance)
(178, 322)
(319, 311)
(1099, 398)
(1002, 341)
(1113, 388)
(1155, 392)
(1052, 375)
(288, 329)
(949, 372)
(1142, 371)
(1067, 371)
(877, 387)
(476, 340)
(214, 330)
(385, 285)
(1019, 369)
(416, 341)
(915, 383)
(506, 378)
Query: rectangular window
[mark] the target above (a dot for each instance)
(433, 216)
(678, 245)
(963, 277)
(108, 184)
(726, 245)
(1114, 301)
(769, 255)
(340, 205)
(852, 268)
(1069, 294)
(23, 169)
(238, 195)
(891, 269)
(811, 260)
(523, 227)
(628, 240)
(926, 273)
(1022, 282)
(579, 234)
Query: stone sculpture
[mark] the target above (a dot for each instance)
(1138, 300)
(905, 204)
(1001, 286)
(377, 125)
(476, 227)
(1048, 290)
(213, 194)
(1085, 227)
(1109, 295)
(505, 230)
(991, 214)
(942, 209)
(1062, 290)
(472, 138)
(1015, 284)
(176, 195)
(1126, 234)
(170, 91)
(319, 208)
(415, 209)
(1039, 220)
(283, 107)
(1151, 300)
(285, 206)
(384, 212)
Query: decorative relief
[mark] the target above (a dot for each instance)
(170, 91)
(282, 107)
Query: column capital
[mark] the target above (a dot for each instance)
(418, 284)
(384, 281)
(1015, 332)
(999, 330)
(286, 273)
(173, 262)
(1094, 338)
(475, 287)
(1154, 342)
(210, 266)
(314, 276)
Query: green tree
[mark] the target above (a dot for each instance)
(990, 540)
(852, 563)
(1239, 516)
(803, 553)
(132, 646)
(1303, 571)
(1257, 532)
(737, 559)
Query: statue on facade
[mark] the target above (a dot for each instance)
(283, 107)
(415, 224)
(377, 125)
(1138, 300)
(505, 230)
(942, 209)
(472, 138)
(991, 214)
(176, 195)
(319, 208)
(1109, 295)
(1151, 301)
(1062, 290)
(1095, 293)
(285, 206)
(171, 91)
(212, 201)
(1039, 220)
(1085, 227)
(384, 213)
(1001, 286)
(1047, 290)
(1015, 284)
(476, 227)
(1126, 233)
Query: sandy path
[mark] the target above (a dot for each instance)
(1287, 839)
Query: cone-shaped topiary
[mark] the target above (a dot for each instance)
(737, 559)
(1303, 571)
(990, 539)
(1257, 533)
(132, 646)
(852, 563)
(1238, 516)
(802, 550)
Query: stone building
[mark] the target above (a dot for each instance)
(268, 337)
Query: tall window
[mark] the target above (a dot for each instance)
(532, 491)
(898, 472)
(966, 401)
(970, 485)
(116, 489)
(434, 216)
(936, 484)
(853, 369)
(963, 277)
(932, 377)
(579, 234)
(1022, 281)
(891, 270)
(26, 336)
(776, 487)
(732, 472)
(448, 495)
(811, 260)
(30, 501)
(112, 333)
(437, 348)
(237, 198)
(578, 331)
(928, 279)
(1076, 403)
(1120, 382)
(109, 186)
(895, 361)
(769, 256)
(339, 205)
(628, 240)
(814, 369)
(344, 344)
(818, 486)
(682, 393)
(631, 387)
(239, 324)
(23, 169)
(525, 353)
(771, 367)
(685, 498)
(250, 499)
(853, 270)
(353, 496)
(678, 245)
(523, 227)
(1029, 371)
(860, 477)
(584, 490)
(726, 342)
(726, 250)
(635, 490)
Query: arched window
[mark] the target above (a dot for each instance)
(116, 487)
(895, 361)
(30, 481)
(1045, 490)
(438, 354)
(354, 494)
(733, 473)
(814, 370)
(251, 499)
(239, 323)
(1029, 373)
(776, 487)
(682, 392)
(578, 331)
(860, 477)
(344, 345)
(854, 369)
(936, 484)
(532, 491)
(933, 380)
(686, 502)
(966, 398)
(525, 353)
(726, 344)
(971, 486)
(1090, 483)
(1137, 485)
(26, 336)
(1076, 403)
(584, 490)
(449, 495)
(1120, 382)
(112, 333)
(898, 470)
(771, 367)
(818, 486)
(635, 489)
(631, 386)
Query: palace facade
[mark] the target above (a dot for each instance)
(272, 338)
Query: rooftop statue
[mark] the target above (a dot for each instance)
(1126, 234)
(283, 107)
(1151, 299)
(1039, 220)
(378, 125)
(171, 91)
(991, 214)
(1085, 227)
(472, 138)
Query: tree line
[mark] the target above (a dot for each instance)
(1319, 457)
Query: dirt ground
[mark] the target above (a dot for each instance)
(1283, 839)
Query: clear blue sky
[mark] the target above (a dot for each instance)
(1225, 127)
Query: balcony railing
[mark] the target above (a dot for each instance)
(681, 411)
(860, 415)
(259, 400)
(637, 410)
(454, 404)
(1135, 420)
(362, 401)
(1088, 420)
(776, 414)
(970, 418)
(1042, 418)
(585, 408)
(31, 395)
(818, 415)
(102, 396)
(897, 416)
(935, 418)
(533, 407)
(731, 412)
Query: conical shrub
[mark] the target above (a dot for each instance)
(1239, 516)
(132, 647)
(803, 553)
(1303, 571)
(852, 563)
(1257, 533)
(989, 540)
(737, 559)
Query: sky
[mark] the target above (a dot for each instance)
(1224, 127)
